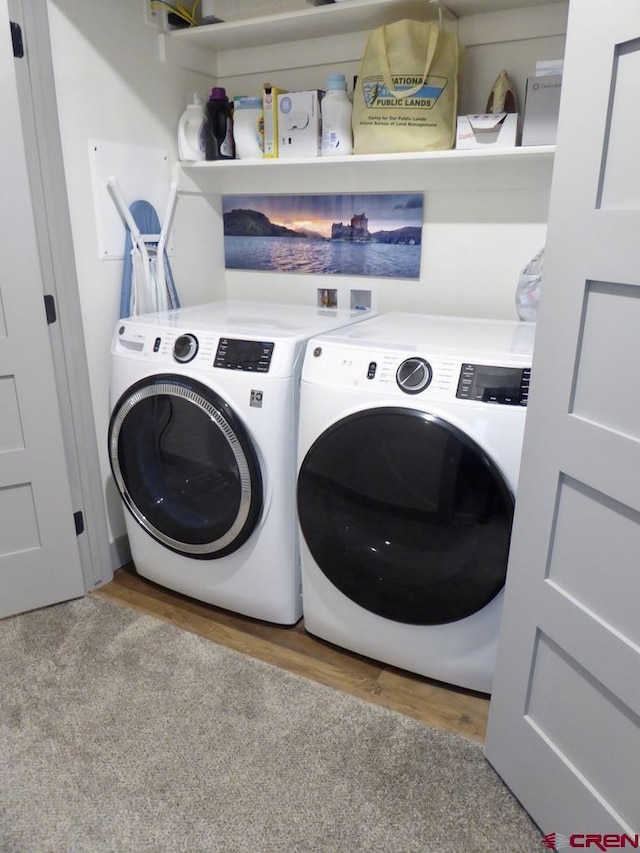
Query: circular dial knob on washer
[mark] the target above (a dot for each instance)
(185, 348)
(414, 375)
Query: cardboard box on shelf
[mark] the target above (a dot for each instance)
(270, 119)
(541, 108)
(484, 130)
(299, 124)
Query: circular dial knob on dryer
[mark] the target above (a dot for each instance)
(185, 348)
(414, 375)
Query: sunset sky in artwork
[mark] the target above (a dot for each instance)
(317, 213)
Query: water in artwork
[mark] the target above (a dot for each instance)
(325, 257)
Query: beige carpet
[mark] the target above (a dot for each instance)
(119, 732)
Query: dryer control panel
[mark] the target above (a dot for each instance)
(436, 376)
(494, 384)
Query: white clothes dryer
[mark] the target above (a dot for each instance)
(202, 448)
(410, 436)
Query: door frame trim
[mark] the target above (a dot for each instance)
(37, 96)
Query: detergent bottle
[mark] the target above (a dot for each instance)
(192, 130)
(220, 145)
(336, 118)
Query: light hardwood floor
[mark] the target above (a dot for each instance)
(292, 648)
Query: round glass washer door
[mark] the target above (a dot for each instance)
(406, 515)
(185, 466)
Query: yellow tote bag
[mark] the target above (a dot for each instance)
(407, 91)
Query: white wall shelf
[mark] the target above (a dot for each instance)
(312, 22)
(526, 168)
(331, 20)
(331, 35)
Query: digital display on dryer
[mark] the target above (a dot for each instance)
(508, 386)
(237, 354)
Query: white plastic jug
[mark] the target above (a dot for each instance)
(336, 108)
(192, 130)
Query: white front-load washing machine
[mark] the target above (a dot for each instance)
(202, 448)
(410, 436)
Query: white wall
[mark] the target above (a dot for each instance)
(112, 86)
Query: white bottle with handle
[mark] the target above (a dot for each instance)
(192, 130)
(337, 136)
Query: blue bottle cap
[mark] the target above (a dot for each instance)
(243, 102)
(336, 81)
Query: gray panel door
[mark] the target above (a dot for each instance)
(39, 556)
(564, 725)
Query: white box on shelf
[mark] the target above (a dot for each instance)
(541, 108)
(230, 11)
(299, 125)
(497, 130)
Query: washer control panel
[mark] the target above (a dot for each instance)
(494, 384)
(204, 350)
(237, 354)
